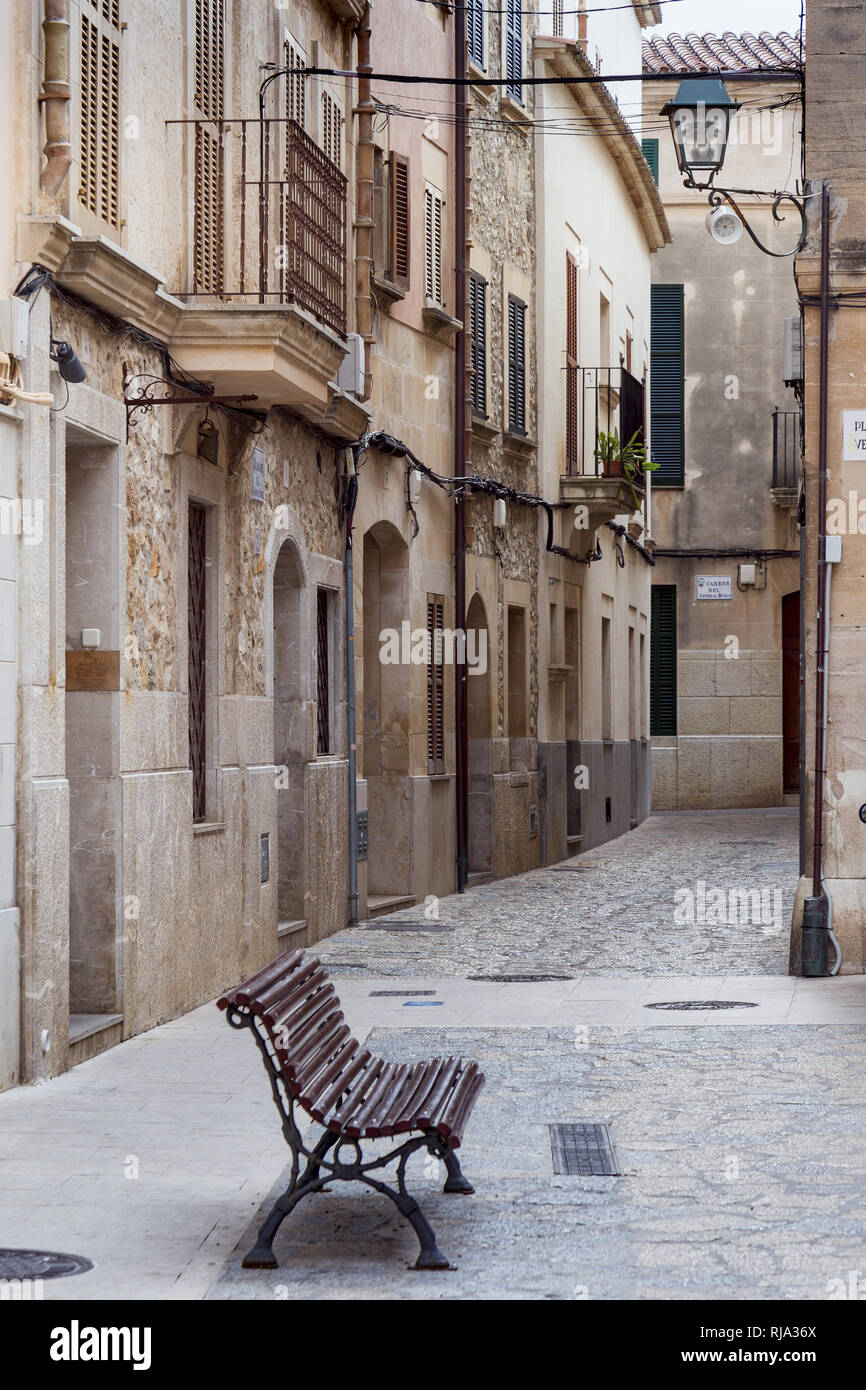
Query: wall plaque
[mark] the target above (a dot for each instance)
(92, 670)
(709, 586)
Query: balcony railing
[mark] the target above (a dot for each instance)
(786, 449)
(280, 239)
(601, 401)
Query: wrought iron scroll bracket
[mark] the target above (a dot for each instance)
(143, 398)
(718, 196)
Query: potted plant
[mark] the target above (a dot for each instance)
(628, 460)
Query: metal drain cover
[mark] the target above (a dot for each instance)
(40, 1264)
(583, 1150)
(518, 979)
(685, 1004)
(381, 924)
(399, 993)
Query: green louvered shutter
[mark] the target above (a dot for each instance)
(667, 386)
(663, 661)
(651, 155)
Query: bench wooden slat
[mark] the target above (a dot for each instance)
(450, 1107)
(330, 1035)
(280, 996)
(393, 1105)
(294, 1024)
(320, 1103)
(283, 964)
(307, 1075)
(403, 1122)
(314, 1084)
(433, 1101)
(392, 1074)
(360, 1086)
(452, 1127)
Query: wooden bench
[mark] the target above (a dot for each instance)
(313, 1061)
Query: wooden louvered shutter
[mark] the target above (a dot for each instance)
(399, 214)
(475, 32)
(558, 9)
(332, 129)
(516, 365)
(100, 109)
(667, 385)
(651, 155)
(435, 686)
(478, 351)
(208, 216)
(296, 100)
(663, 661)
(572, 384)
(433, 246)
(514, 49)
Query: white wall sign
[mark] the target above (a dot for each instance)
(258, 475)
(713, 586)
(854, 436)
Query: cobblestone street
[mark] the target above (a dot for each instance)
(740, 1135)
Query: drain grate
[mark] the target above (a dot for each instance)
(583, 1151)
(686, 1004)
(379, 924)
(518, 979)
(399, 993)
(41, 1264)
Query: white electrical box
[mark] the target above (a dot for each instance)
(350, 376)
(14, 327)
(833, 549)
(792, 364)
(499, 513)
(91, 637)
(747, 575)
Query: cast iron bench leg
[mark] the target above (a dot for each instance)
(455, 1182)
(430, 1256)
(262, 1255)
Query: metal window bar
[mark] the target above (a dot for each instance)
(291, 239)
(323, 684)
(197, 680)
(786, 448)
(608, 400)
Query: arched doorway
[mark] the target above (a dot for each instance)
(290, 733)
(385, 724)
(480, 764)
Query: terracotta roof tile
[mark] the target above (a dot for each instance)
(707, 53)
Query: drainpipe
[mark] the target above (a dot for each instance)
(461, 450)
(364, 200)
(55, 96)
(350, 686)
(818, 909)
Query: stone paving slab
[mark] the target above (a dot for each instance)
(744, 1176)
(614, 917)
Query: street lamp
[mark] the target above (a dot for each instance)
(700, 117)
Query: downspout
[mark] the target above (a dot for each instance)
(350, 685)
(364, 222)
(55, 96)
(818, 909)
(461, 450)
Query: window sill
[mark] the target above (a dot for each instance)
(438, 321)
(515, 112)
(386, 289)
(207, 827)
(483, 430)
(518, 445)
(482, 93)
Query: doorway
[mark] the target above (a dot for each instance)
(290, 735)
(480, 753)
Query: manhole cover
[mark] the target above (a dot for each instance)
(686, 1004)
(380, 924)
(583, 1150)
(40, 1264)
(399, 993)
(518, 979)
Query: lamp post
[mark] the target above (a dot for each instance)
(700, 118)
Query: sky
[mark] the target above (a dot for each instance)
(717, 16)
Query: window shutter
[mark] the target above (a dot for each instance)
(475, 32)
(558, 8)
(435, 686)
(572, 385)
(516, 365)
(478, 350)
(332, 129)
(663, 661)
(433, 246)
(667, 385)
(208, 219)
(514, 49)
(296, 99)
(100, 109)
(651, 155)
(400, 220)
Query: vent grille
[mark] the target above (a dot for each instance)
(583, 1150)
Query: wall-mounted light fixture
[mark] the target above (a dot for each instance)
(67, 361)
(208, 440)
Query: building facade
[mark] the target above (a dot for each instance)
(726, 428)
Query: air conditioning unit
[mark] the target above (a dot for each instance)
(350, 376)
(792, 367)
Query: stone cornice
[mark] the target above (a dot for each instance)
(648, 12)
(567, 59)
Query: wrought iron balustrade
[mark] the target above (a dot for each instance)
(277, 239)
(601, 401)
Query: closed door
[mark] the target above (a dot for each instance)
(791, 692)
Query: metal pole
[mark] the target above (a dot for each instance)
(820, 712)
(460, 450)
(350, 691)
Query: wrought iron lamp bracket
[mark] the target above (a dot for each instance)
(170, 393)
(718, 196)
